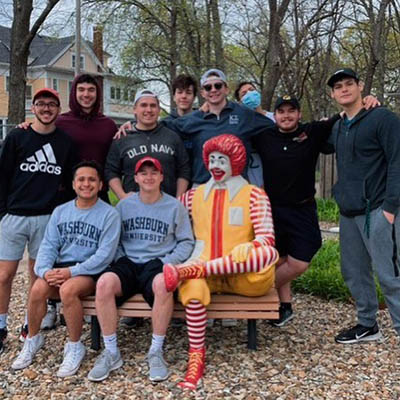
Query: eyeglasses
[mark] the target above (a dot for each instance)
(41, 104)
(216, 86)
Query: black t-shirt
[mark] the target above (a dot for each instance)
(289, 160)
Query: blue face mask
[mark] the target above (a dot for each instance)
(252, 99)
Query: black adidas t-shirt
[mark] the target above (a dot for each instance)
(35, 171)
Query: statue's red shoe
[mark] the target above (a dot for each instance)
(195, 371)
(171, 277)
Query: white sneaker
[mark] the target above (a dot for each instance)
(28, 352)
(49, 320)
(73, 356)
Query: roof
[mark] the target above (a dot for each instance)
(43, 49)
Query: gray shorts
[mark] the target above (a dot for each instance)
(16, 231)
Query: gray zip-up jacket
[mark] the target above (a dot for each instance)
(368, 162)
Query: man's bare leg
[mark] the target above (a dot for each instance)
(163, 306)
(8, 270)
(37, 304)
(71, 293)
(107, 288)
(32, 275)
(161, 314)
(288, 269)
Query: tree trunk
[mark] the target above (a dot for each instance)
(378, 45)
(172, 46)
(217, 36)
(273, 72)
(21, 38)
(18, 61)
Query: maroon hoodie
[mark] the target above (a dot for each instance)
(92, 133)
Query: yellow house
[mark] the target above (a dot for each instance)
(52, 64)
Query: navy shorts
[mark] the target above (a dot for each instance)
(297, 231)
(136, 278)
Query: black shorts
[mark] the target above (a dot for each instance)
(297, 231)
(136, 278)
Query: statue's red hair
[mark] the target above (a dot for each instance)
(229, 145)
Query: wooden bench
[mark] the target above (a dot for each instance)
(221, 306)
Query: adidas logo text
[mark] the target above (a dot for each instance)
(42, 167)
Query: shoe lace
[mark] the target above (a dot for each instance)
(192, 271)
(26, 352)
(156, 360)
(195, 362)
(104, 358)
(70, 357)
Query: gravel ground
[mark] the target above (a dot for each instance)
(300, 361)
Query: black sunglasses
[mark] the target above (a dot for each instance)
(217, 86)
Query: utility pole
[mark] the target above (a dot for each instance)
(78, 37)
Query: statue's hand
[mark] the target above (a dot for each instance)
(241, 251)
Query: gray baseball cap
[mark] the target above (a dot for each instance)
(212, 74)
(144, 93)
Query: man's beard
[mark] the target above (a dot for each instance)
(46, 123)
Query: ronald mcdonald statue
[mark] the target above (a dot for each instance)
(234, 251)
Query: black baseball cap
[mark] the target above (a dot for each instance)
(342, 73)
(287, 100)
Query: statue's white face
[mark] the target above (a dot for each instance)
(219, 166)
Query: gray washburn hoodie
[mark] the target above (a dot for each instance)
(368, 162)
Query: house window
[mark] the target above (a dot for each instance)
(121, 95)
(28, 97)
(7, 84)
(74, 61)
(55, 84)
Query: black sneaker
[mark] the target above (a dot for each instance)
(359, 333)
(3, 335)
(24, 333)
(285, 315)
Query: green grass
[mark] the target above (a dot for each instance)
(328, 210)
(324, 279)
(113, 198)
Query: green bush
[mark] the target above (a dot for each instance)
(323, 278)
(328, 210)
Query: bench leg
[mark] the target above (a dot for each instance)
(252, 334)
(95, 333)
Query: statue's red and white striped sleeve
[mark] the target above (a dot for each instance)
(187, 199)
(261, 218)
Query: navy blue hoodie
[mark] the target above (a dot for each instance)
(368, 162)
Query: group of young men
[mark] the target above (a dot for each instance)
(78, 244)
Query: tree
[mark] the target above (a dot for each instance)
(21, 39)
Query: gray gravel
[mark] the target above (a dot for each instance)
(300, 361)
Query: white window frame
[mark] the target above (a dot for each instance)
(54, 84)
(83, 61)
(28, 97)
